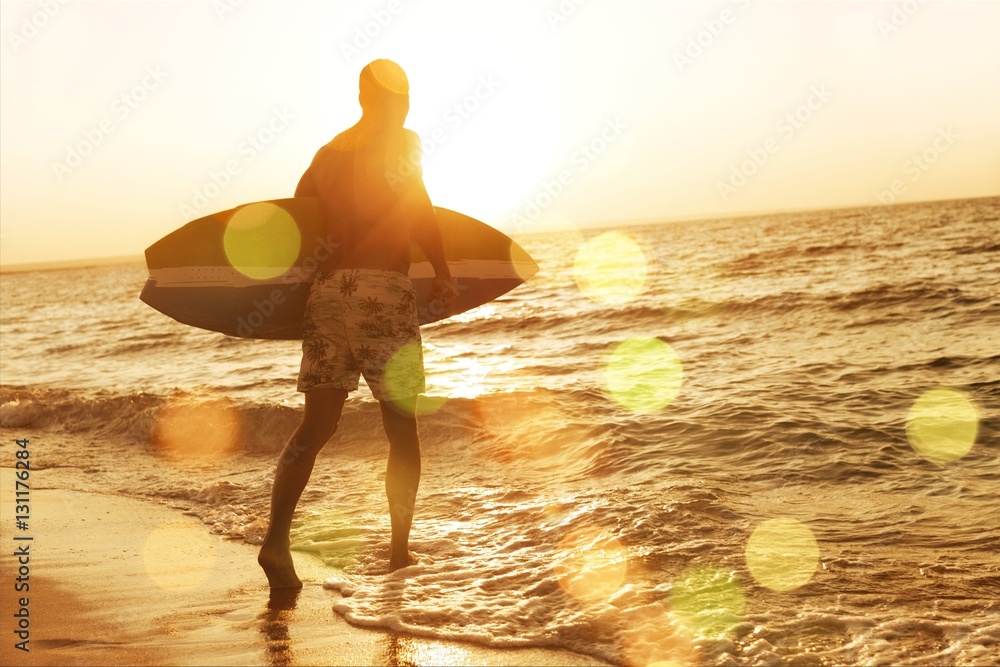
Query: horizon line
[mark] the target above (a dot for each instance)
(88, 262)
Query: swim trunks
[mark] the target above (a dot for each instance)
(362, 322)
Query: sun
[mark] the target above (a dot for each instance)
(492, 144)
(492, 129)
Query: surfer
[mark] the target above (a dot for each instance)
(361, 316)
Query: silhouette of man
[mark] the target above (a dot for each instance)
(361, 315)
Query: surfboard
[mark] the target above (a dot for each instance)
(247, 271)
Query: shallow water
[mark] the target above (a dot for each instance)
(550, 514)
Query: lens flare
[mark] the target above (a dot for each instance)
(534, 431)
(644, 374)
(402, 380)
(262, 241)
(610, 269)
(202, 431)
(942, 425)
(591, 564)
(708, 600)
(330, 535)
(782, 554)
(179, 556)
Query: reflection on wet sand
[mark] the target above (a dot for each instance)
(274, 626)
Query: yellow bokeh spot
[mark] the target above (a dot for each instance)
(782, 554)
(610, 269)
(709, 601)
(179, 556)
(262, 241)
(644, 374)
(591, 564)
(202, 431)
(330, 535)
(403, 381)
(942, 425)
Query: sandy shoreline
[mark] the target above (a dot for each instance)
(116, 581)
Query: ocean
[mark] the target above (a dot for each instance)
(775, 445)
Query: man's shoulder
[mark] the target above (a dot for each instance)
(411, 138)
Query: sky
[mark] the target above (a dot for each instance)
(121, 121)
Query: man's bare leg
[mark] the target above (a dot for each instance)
(319, 423)
(402, 477)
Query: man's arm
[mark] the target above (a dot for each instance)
(424, 227)
(426, 231)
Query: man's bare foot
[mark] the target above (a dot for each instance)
(398, 562)
(279, 568)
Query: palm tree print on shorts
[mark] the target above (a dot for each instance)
(349, 284)
(371, 306)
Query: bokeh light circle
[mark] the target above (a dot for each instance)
(403, 383)
(208, 430)
(643, 374)
(708, 600)
(591, 564)
(331, 535)
(179, 556)
(942, 425)
(782, 554)
(262, 241)
(610, 269)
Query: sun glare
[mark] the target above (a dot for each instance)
(491, 137)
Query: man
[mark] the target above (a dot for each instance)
(361, 315)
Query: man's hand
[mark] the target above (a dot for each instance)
(443, 290)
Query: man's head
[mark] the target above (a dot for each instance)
(385, 92)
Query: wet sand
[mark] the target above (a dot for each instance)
(121, 581)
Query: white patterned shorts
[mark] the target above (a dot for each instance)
(362, 322)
